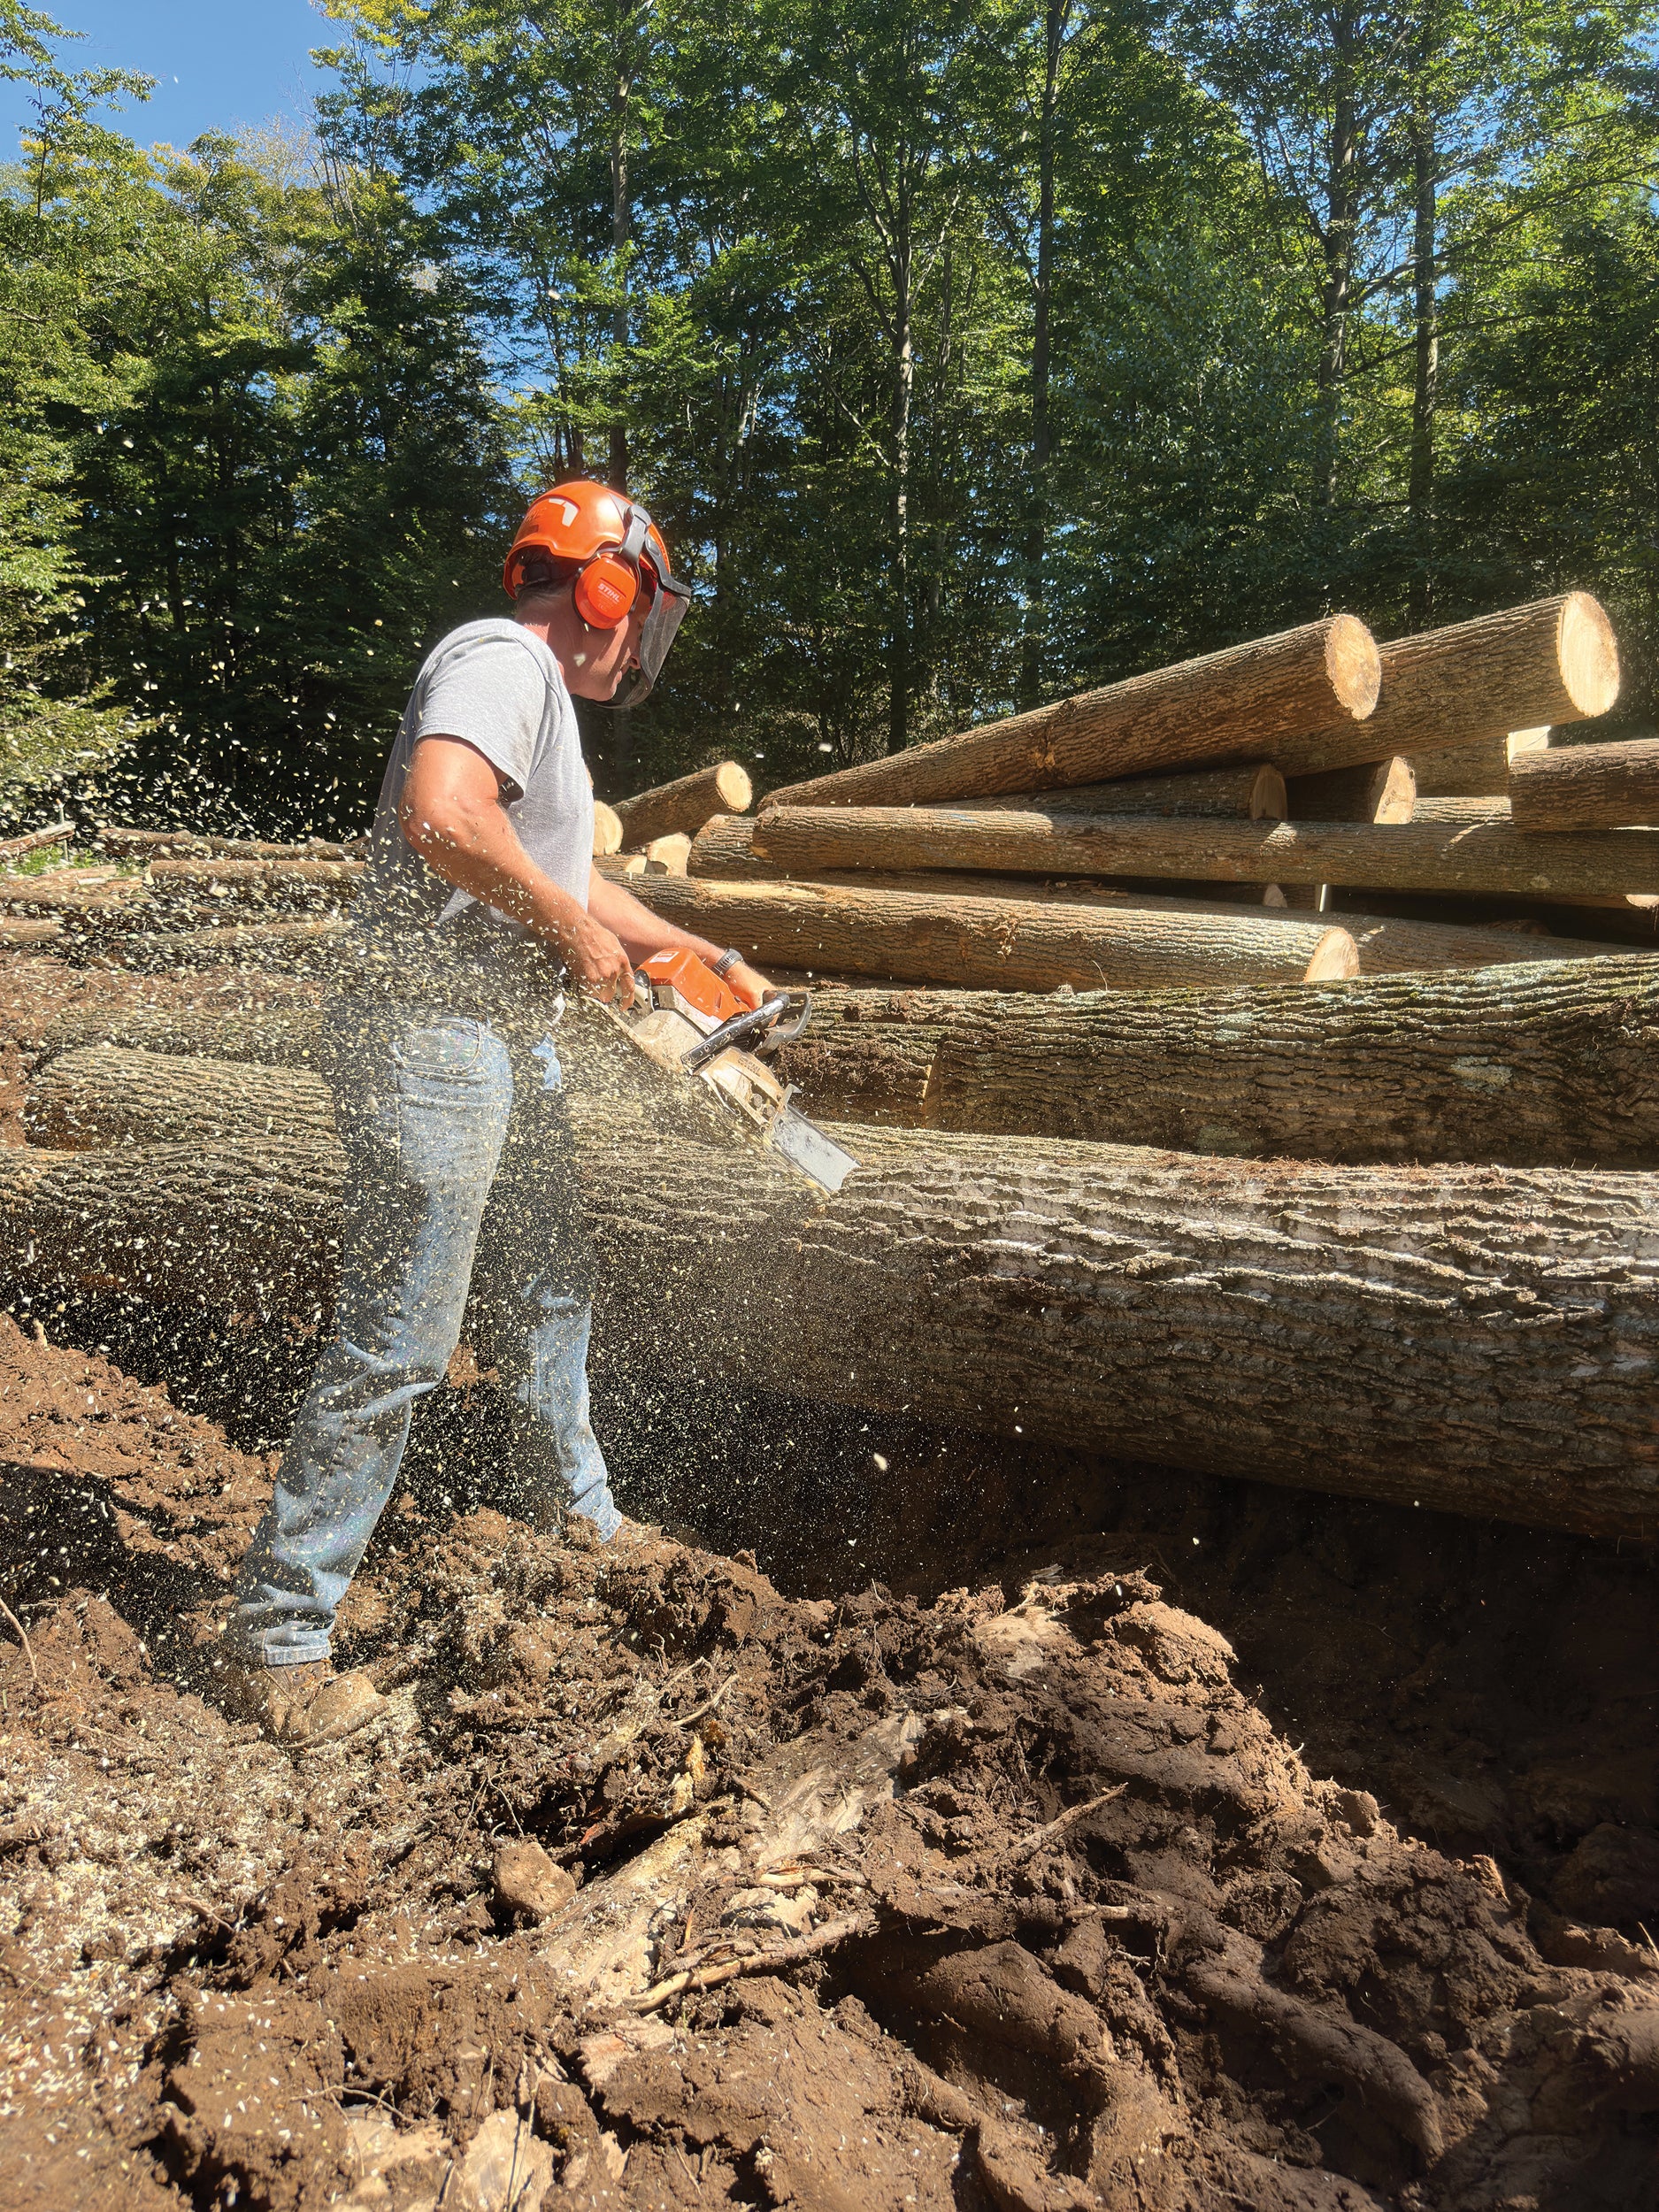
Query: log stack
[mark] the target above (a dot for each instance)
(1356, 1197)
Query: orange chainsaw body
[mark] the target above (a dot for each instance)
(693, 981)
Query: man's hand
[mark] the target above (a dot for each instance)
(746, 983)
(598, 962)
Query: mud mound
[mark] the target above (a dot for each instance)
(654, 1886)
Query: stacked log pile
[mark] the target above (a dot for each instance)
(1358, 1199)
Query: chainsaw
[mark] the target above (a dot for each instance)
(686, 1017)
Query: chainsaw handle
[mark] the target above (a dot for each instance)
(744, 1025)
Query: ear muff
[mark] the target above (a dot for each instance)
(605, 592)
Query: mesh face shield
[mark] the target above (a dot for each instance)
(669, 604)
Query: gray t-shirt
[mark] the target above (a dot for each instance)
(499, 688)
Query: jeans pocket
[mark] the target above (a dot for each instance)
(448, 1048)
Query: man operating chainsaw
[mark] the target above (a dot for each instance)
(479, 890)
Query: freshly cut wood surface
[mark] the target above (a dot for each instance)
(1010, 944)
(1392, 856)
(1474, 1339)
(1585, 787)
(1376, 791)
(1254, 790)
(607, 830)
(667, 855)
(685, 804)
(1551, 661)
(1545, 1064)
(1241, 704)
(1477, 771)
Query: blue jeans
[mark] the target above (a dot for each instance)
(459, 1173)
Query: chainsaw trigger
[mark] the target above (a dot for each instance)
(776, 1036)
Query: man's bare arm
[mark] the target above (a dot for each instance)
(644, 933)
(452, 815)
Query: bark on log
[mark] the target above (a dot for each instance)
(1540, 1065)
(1008, 944)
(35, 840)
(1376, 791)
(1362, 855)
(685, 804)
(1481, 1339)
(1243, 705)
(1390, 944)
(312, 943)
(1585, 787)
(311, 881)
(1254, 790)
(1554, 660)
(132, 844)
(1478, 771)
(1461, 813)
(607, 829)
(26, 929)
(619, 867)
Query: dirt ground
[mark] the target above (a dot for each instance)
(1187, 1843)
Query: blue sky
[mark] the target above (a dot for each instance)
(218, 63)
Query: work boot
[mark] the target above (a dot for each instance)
(304, 1705)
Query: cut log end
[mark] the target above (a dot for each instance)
(607, 830)
(1269, 800)
(1355, 664)
(1335, 959)
(1588, 654)
(731, 781)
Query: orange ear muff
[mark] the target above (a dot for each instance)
(605, 591)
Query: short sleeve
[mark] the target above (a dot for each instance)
(493, 693)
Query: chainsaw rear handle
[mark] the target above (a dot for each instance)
(765, 1016)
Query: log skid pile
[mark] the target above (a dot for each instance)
(1255, 1206)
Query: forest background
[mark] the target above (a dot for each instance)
(971, 352)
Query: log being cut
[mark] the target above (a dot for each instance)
(1009, 944)
(1242, 704)
(681, 808)
(1541, 1065)
(1474, 1339)
(1553, 660)
(1488, 857)
(1585, 787)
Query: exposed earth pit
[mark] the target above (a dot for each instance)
(656, 1886)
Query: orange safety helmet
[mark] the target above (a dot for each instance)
(619, 551)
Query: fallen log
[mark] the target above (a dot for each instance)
(1362, 855)
(1010, 944)
(137, 844)
(311, 942)
(224, 877)
(1473, 1338)
(1585, 787)
(1538, 1065)
(25, 929)
(1553, 660)
(1254, 790)
(1243, 705)
(34, 841)
(607, 830)
(686, 804)
(1376, 791)
(1478, 771)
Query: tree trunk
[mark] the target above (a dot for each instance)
(1585, 787)
(685, 804)
(1242, 704)
(1477, 771)
(1363, 856)
(1425, 351)
(1055, 13)
(1254, 790)
(1543, 1065)
(1337, 241)
(1480, 1340)
(1555, 660)
(1007, 944)
(1376, 791)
